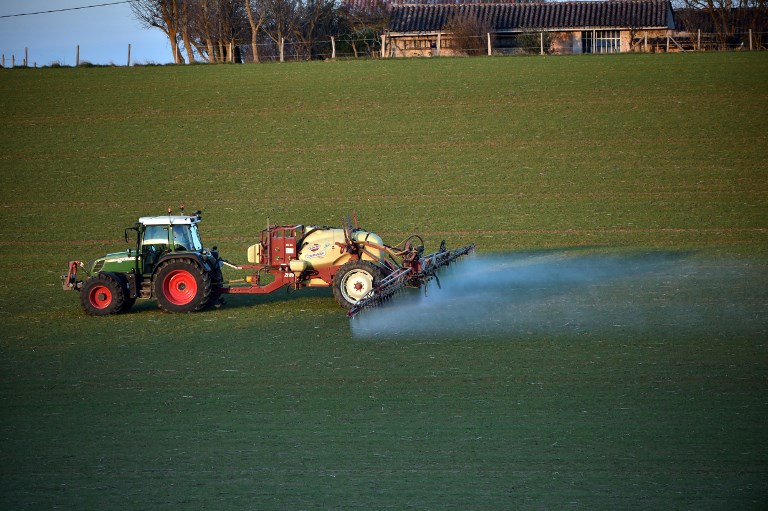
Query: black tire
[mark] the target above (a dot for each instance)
(217, 283)
(102, 295)
(128, 302)
(181, 285)
(354, 281)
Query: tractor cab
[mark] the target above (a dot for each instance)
(160, 235)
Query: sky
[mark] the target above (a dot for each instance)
(103, 34)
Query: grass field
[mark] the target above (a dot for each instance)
(277, 402)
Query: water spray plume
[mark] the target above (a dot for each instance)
(572, 293)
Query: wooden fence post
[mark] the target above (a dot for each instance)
(541, 43)
(698, 45)
(26, 57)
(282, 49)
(750, 39)
(489, 44)
(667, 41)
(384, 46)
(77, 56)
(333, 48)
(438, 44)
(129, 55)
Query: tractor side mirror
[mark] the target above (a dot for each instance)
(130, 229)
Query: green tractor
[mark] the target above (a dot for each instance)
(169, 264)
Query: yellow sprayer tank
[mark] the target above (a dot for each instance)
(324, 247)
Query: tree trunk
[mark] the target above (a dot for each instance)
(179, 56)
(170, 11)
(211, 51)
(184, 22)
(254, 30)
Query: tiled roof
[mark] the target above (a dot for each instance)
(365, 6)
(547, 16)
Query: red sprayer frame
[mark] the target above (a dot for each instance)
(404, 267)
(278, 243)
(279, 246)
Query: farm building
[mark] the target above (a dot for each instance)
(553, 27)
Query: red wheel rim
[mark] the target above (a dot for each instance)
(100, 297)
(179, 287)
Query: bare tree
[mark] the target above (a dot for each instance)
(214, 30)
(280, 18)
(162, 14)
(232, 22)
(184, 26)
(363, 23)
(216, 27)
(202, 19)
(316, 20)
(728, 19)
(467, 32)
(256, 19)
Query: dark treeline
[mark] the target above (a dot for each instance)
(728, 20)
(254, 30)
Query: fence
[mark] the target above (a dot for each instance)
(344, 47)
(528, 43)
(25, 62)
(569, 43)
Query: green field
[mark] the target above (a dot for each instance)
(277, 402)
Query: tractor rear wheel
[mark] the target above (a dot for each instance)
(182, 285)
(354, 281)
(102, 295)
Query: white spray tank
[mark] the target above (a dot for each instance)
(324, 246)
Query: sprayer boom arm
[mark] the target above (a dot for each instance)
(415, 272)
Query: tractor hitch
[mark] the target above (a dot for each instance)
(69, 281)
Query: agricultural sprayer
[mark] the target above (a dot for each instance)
(170, 265)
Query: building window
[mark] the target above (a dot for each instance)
(601, 41)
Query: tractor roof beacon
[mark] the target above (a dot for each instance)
(170, 265)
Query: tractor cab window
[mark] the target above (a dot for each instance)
(156, 235)
(155, 244)
(186, 237)
(194, 238)
(182, 238)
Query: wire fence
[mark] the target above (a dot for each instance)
(528, 43)
(572, 43)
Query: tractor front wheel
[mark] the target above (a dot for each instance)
(102, 295)
(182, 285)
(354, 281)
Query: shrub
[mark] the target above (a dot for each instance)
(531, 42)
(468, 33)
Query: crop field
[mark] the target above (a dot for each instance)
(606, 348)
